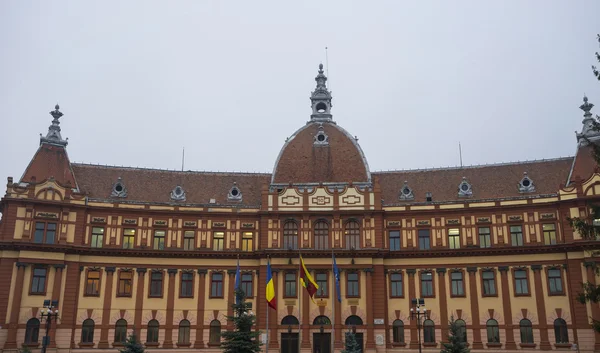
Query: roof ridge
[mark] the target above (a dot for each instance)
(166, 170)
(475, 165)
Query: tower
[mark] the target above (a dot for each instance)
(321, 99)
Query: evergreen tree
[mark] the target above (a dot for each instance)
(586, 226)
(351, 345)
(24, 349)
(242, 339)
(132, 345)
(456, 339)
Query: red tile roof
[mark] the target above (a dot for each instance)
(155, 186)
(50, 161)
(487, 181)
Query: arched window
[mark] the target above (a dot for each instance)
(121, 330)
(321, 320)
(152, 335)
(462, 330)
(32, 331)
(560, 331)
(526, 331)
(184, 332)
(352, 233)
(215, 332)
(493, 332)
(87, 331)
(398, 331)
(321, 235)
(354, 320)
(290, 320)
(428, 331)
(290, 235)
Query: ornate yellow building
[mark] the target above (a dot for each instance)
(155, 251)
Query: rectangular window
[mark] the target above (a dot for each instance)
(216, 285)
(128, 238)
(290, 284)
(92, 283)
(247, 284)
(516, 235)
(394, 240)
(189, 239)
(458, 284)
(218, 240)
(489, 283)
(248, 241)
(159, 240)
(187, 285)
(555, 281)
(396, 284)
(521, 286)
(454, 238)
(485, 240)
(352, 279)
(44, 233)
(424, 239)
(38, 282)
(97, 237)
(125, 281)
(549, 233)
(426, 284)
(321, 279)
(156, 284)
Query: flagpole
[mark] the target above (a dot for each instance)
(267, 307)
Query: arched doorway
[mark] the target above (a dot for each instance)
(352, 321)
(289, 339)
(322, 339)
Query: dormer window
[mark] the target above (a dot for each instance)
(178, 194)
(119, 189)
(234, 193)
(321, 138)
(526, 184)
(428, 197)
(464, 188)
(406, 192)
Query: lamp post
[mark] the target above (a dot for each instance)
(49, 311)
(417, 313)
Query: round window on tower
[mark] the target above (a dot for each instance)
(321, 138)
(464, 187)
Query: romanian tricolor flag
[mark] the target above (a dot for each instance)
(307, 281)
(271, 300)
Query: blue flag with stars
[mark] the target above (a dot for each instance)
(336, 274)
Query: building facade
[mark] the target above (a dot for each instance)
(155, 251)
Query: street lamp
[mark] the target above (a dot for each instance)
(416, 313)
(50, 311)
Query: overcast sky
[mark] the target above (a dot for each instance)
(230, 80)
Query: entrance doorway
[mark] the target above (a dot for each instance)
(322, 342)
(289, 342)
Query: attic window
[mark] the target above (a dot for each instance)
(321, 138)
(428, 197)
(119, 189)
(406, 192)
(526, 184)
(178, 194)
(464, 188)
(234, 193)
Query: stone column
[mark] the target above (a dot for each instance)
(443, 302)
(474, 299)
(199, 343)
(230, 297)
(168, 343)
(412, 294)
(510, 336)
(103, 343)
(273, 319)
(139, 298)
(56, 287)
(11, 340)
(370, 344)
(541, 307)
(339, 325)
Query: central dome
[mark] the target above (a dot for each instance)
(321, 152)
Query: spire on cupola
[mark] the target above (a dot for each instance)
(53, 136)
(321, 99)
(588, 132)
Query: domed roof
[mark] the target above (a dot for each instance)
(321, 151)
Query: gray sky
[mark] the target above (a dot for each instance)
(230, 80)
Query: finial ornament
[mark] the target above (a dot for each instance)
(53, 136)
(589, 132)
(321, 98)
(586, 107)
